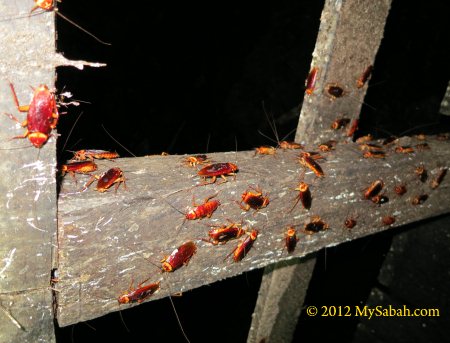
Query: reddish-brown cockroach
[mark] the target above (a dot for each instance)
(91, 154)
(306, 160)
(315, 225)
(334, 90)
(42, 115)
(255, 200)
(179, 257)
(404, 150)
(290, 239)
(388, 220)
(340, 123)
(353, 127)
(218, 169)
(364, 139)
(364, 77)
(419, 199)
(244, 246)
(265, 150)
(400, 189)
(83, 167)
(107, 179)
(373, 189)
(380, 199)
(285, 145)
(374, 154)
(328, 146)
(310, 82)
(304, 195)
(422, 147)
(437, 181)
(221, 235)
(370, 147)
(140, 293)
(421, 173)
(350, 222)
(204, 210)
(195, 160)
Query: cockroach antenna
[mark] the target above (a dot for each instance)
(115, 140)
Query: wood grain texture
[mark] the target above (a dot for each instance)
(108, 239)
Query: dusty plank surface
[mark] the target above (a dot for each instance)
(28, 184)
(108, 239)
(349, 36)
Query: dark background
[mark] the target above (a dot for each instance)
(181, 76)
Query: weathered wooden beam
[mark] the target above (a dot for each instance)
(108, 239)
(349, 36)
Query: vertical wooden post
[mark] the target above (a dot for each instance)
(349, 36)
(28, 184)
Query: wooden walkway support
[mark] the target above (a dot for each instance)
(98, 242)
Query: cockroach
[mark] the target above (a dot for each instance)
(421, 173)
(48, 5)
(364, 139)
(290, 239)
(380, 199)
(374, 154)
(107, 179)
(91, 154)
(388, 220)
(310, 82)
(400, 189)
(422, 147)
(221, 235)
(315, 225)
(265, 150)
(327, 146)
(340, 123)
(195, 160)
(373, 189)
(140, 293)
(334, 90)
(82, 167)
(285, 145)
(350, 222)
(419, 199)
(364, 77)
(218, 169)
(437, 181)
(370, 147)
(353, 127)
(304, 195)
(204, 210)
(404, 150)
(255, 200)
(244, 246)
(179, 257)
(306, 160)
(42, 115)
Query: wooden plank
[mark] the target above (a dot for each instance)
(104, 237)
(280, 299)
(349, 36)
(28, 185)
